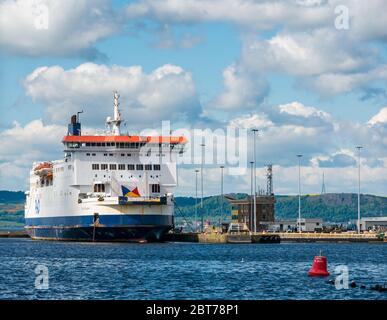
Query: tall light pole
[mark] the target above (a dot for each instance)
(196, 200)
(358, 191)
(255, 183)
(299, 192)
(251, 194)
(221, 192)
(201, 181)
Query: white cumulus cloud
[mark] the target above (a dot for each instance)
(20, 146)
(248, 13)
(47, 27)
(167, 93)
(243, 90)
(379, 118)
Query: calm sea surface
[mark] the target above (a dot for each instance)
(185, 271)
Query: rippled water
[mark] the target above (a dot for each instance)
(185, 271)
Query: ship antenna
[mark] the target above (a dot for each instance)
(78, 113)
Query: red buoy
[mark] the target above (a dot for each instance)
(319, 267)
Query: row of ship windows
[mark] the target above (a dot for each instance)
(53, 195)
(129, 145)
(110, 154)
(128, 177)
(113, 144)
(113, 166)
(123, 154)
(61, 169)
(62, 194)
(44, 183)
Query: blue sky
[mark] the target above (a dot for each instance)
(313, 87)
(219, 47)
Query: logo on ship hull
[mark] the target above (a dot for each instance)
(37, 206)
(134, 193)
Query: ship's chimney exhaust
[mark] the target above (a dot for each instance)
(74, 127)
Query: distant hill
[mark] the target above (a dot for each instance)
(333, 207)
(11, 196)
(11, 209)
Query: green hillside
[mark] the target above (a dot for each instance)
(11, 196)
(330, 207)
(11, 209)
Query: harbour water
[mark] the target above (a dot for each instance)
(186, 270)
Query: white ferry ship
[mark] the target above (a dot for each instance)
(109, 187)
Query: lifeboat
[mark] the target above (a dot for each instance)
(43, 169)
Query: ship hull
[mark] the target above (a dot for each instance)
(108, 228)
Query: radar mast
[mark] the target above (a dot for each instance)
(114, 124)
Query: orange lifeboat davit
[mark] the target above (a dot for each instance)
(43, 169)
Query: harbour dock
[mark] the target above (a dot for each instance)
(13, 234)
(330, 237)
(272, 237)
(260, 237)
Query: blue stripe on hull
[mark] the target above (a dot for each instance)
(116, 220)
(122, 227)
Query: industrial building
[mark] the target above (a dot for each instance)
(310, 225)
(243, 209)
(307, 225)
(283, 226)
(373, 223)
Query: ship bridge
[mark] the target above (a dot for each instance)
(123, 142)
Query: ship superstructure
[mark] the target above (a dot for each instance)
(109, 187)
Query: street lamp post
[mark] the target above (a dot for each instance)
(251, 195)
(299, 192)
(201, 181)
(196, 200)
(255, 183)
(221, 193)
(358, 191)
